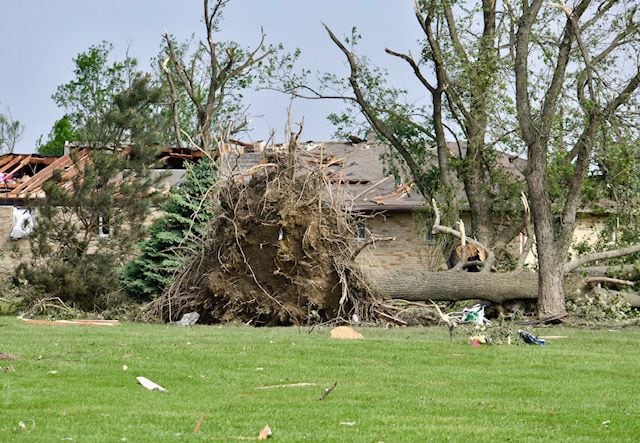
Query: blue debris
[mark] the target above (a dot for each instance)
(529, 338)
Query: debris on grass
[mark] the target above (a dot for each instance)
(22, 425)
(7, 356)
(328, 391)
(188, 319)
(265, 433)
(529, 338)
(289, 385)
(125, 367)
(347, 423)
(7, 369)
(152, 386)
(198, 425)
(32, 321)
(478, 340)
(345, 333)
(54, 372)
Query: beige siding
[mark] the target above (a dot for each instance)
(409, 251)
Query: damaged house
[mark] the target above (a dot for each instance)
(392, 222)
(23, 175)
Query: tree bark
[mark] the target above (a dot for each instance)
(453, 286)
(458, 286)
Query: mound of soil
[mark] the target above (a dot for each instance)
(280, 253)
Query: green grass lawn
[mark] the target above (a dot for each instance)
(396, 385)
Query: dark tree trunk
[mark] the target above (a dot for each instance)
(550, 263)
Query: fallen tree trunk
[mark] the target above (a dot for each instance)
(633, 298)
(456, 286)
(453, 285)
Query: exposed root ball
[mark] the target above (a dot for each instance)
(279, 254)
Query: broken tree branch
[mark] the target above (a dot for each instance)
(439, 229)
(604, 255)
(371, 241)
(609, 281)
(528, 231)
(328, 391)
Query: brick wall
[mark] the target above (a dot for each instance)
(13, 252)
(410, 251)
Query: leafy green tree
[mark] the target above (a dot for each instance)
(462, 67)
(62, 132)
(10, 132)
(174, 236)
(587, 67)
(88, 225)
(89, 97)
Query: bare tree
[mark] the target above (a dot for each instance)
(589, 65)
(214, 73)
(10, 132)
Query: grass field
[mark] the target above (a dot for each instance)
(396, 385)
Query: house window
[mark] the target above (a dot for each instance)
(361, 233)
(103, 226)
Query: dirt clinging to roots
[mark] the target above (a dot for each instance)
(280, 253)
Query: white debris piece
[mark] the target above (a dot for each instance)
(150, 385)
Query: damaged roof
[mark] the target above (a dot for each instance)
(358, 171)
(22, 175)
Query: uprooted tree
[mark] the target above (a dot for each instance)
(500, 287)
(470, 57)
(280, 251)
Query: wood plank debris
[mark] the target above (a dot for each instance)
(32, 321)
(289, 385)
(150, 385)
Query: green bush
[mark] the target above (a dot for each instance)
(175, 236)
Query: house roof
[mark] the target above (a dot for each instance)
(22, 175)
(15, 169)
(365, 184)
(357, 171)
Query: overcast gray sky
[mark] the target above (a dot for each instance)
(39, 38)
